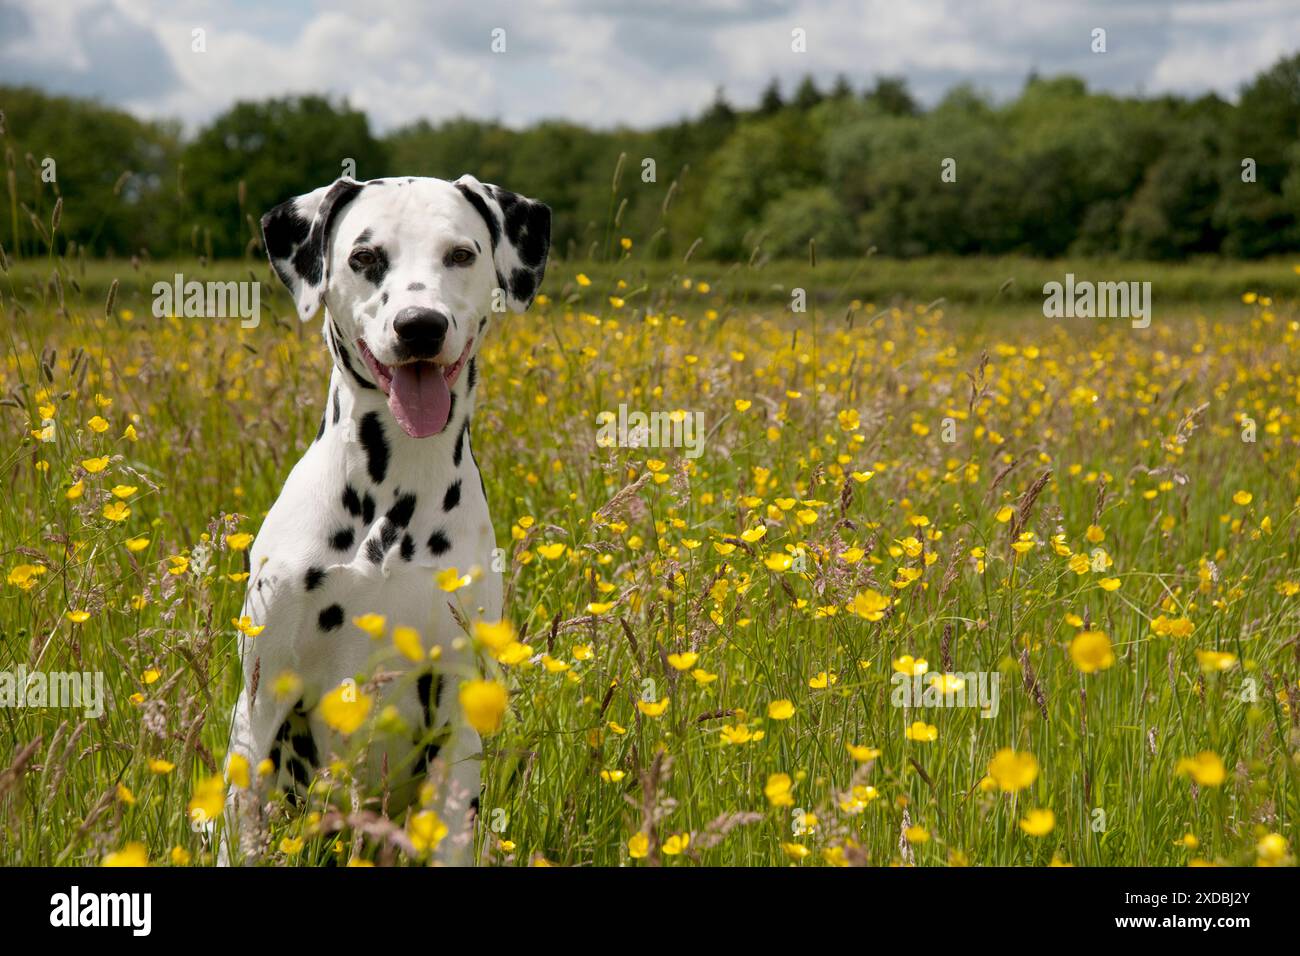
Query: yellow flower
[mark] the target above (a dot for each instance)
(133, 854)
(137, 544)
(78, 617)
(703, 677)
(95, 465)
(1272, 850)
(638, 846)
(123, 491)
(822, 680)
(778, 790)
(484, 704)
(372, 624)
(1038, 823)
(676, 844)
(207, 800)
(582, 280)
(426, 831)
(151, 675)
(552, 551)
(24, 576)
(599, 607)
(1109, 584)
(237, 770)
(116, 511)
(124, 795)
(862, 753)
(161, 767)
(1004, 513)
(407, 642)
(180, 856)
(76, 491)
(780, 710)
(683, 661)
(1213, 661)
(1243, 498)
(795, 851)
(451, 580)
(612, 776)
(1013, 771)
(345, 708)
(778, 562)
(236, 542)
(98, 425)
(246, 626)
(291, 846)
(869, 604)
(742, 404)
(917, 834)
(922, 732)
(753, 534)
(1206, 768)
(1094, 534)
(912, 667)
(652, 709)
(1091, 652)
(494, 635)
(740, 734)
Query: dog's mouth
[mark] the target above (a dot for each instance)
(419, 392)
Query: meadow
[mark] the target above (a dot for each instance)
(920, 476)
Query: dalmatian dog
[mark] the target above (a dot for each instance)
(410, 272)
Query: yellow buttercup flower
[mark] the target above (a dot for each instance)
(683, 661)
(1206, 768)
(1039, 823)
(652, 708)
(484, 704)
(779, 790)
(345, 708)
(1013, 771)
(780, 710)
(921, 732)
(1091, 652)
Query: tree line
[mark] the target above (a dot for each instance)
(1058, 170)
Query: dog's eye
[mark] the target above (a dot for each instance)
(361, 258)
(461, 257)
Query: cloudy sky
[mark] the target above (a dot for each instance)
(608, 62)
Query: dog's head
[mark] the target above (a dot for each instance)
(410, 271)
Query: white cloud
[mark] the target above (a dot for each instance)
(605, 63)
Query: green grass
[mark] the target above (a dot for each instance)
(1106, 412)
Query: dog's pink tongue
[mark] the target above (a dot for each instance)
(419, 398)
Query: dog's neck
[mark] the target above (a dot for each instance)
(373, 450)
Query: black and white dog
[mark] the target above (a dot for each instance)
(410, 272)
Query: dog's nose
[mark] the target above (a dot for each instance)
(421, 331)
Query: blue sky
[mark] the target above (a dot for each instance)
(609, 62)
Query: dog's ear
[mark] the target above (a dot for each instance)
(520, 229)
(297, 238)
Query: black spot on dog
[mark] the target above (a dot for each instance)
(459, 450)
(341, 540)
(375, 271)
(320, 430)
(275, 752)
(309, 258)
(351, 501)
(314, 578)
(366, 236)
(376, 446)
(451, 406)
(301, 776)
(415, 287)
(477, 246)
(472, 374)
(331, 619)
(438, 544)
(482, 322)
(374, 551)
(337, 410)
(383, 297)
(368, 509)
(522, 284)
(401, 511)
(489, 217)
(388, 535)
(452, 498)
(528, 227)
(283, 231)
(304, 746)
(408, 547)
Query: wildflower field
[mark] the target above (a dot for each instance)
(1096, 524)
